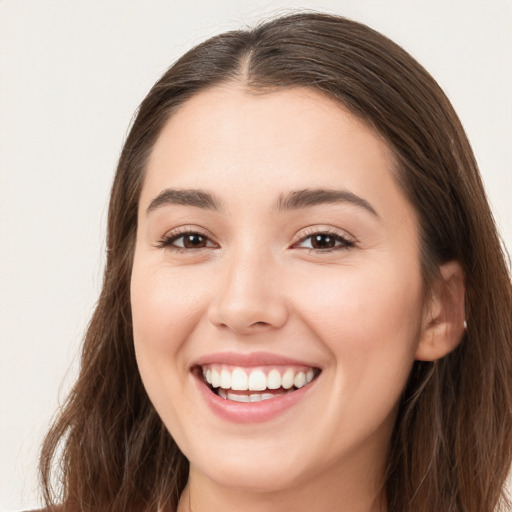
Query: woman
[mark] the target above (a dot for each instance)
(305, 304)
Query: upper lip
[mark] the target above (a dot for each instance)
(251, 359)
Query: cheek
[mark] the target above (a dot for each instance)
(164, 312)
(165, 307)
(370, 321)
(363, 300)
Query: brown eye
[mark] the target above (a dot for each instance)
(189, 240)
(325, 242)
(193, 241)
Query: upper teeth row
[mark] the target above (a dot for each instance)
(256, 380)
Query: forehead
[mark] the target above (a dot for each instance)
(233, 120)
(227, 137)
(280, 114)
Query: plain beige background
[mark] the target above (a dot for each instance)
(71, 75)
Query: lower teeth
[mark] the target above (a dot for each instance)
(255, 397)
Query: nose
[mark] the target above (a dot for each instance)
(249, 296)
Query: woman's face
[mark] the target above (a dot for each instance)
(275, 251)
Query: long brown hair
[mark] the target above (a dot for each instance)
(452, 444)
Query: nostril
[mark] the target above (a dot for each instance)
(246, 304)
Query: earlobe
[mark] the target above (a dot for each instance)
(444, 317)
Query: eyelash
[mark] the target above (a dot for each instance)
(168, 241)
(343, 243)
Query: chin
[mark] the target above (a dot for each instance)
(248, 476)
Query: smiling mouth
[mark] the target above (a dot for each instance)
(240, 384)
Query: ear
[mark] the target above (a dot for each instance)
(444, 316)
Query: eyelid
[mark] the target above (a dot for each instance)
(347, 239)
(324, 229)
(166, 241)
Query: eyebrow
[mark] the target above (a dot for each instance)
(291, 201)
(313, 197)
(187, 197)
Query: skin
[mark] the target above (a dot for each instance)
(356, 311)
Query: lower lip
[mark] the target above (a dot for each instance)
(251, 412)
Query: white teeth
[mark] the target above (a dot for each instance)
(238, 398)
(254, 397)
(225, 379)
(239, 381)
(257, 381)
(274, 379)
(215, 378)
(287, 379)
(300, 380)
